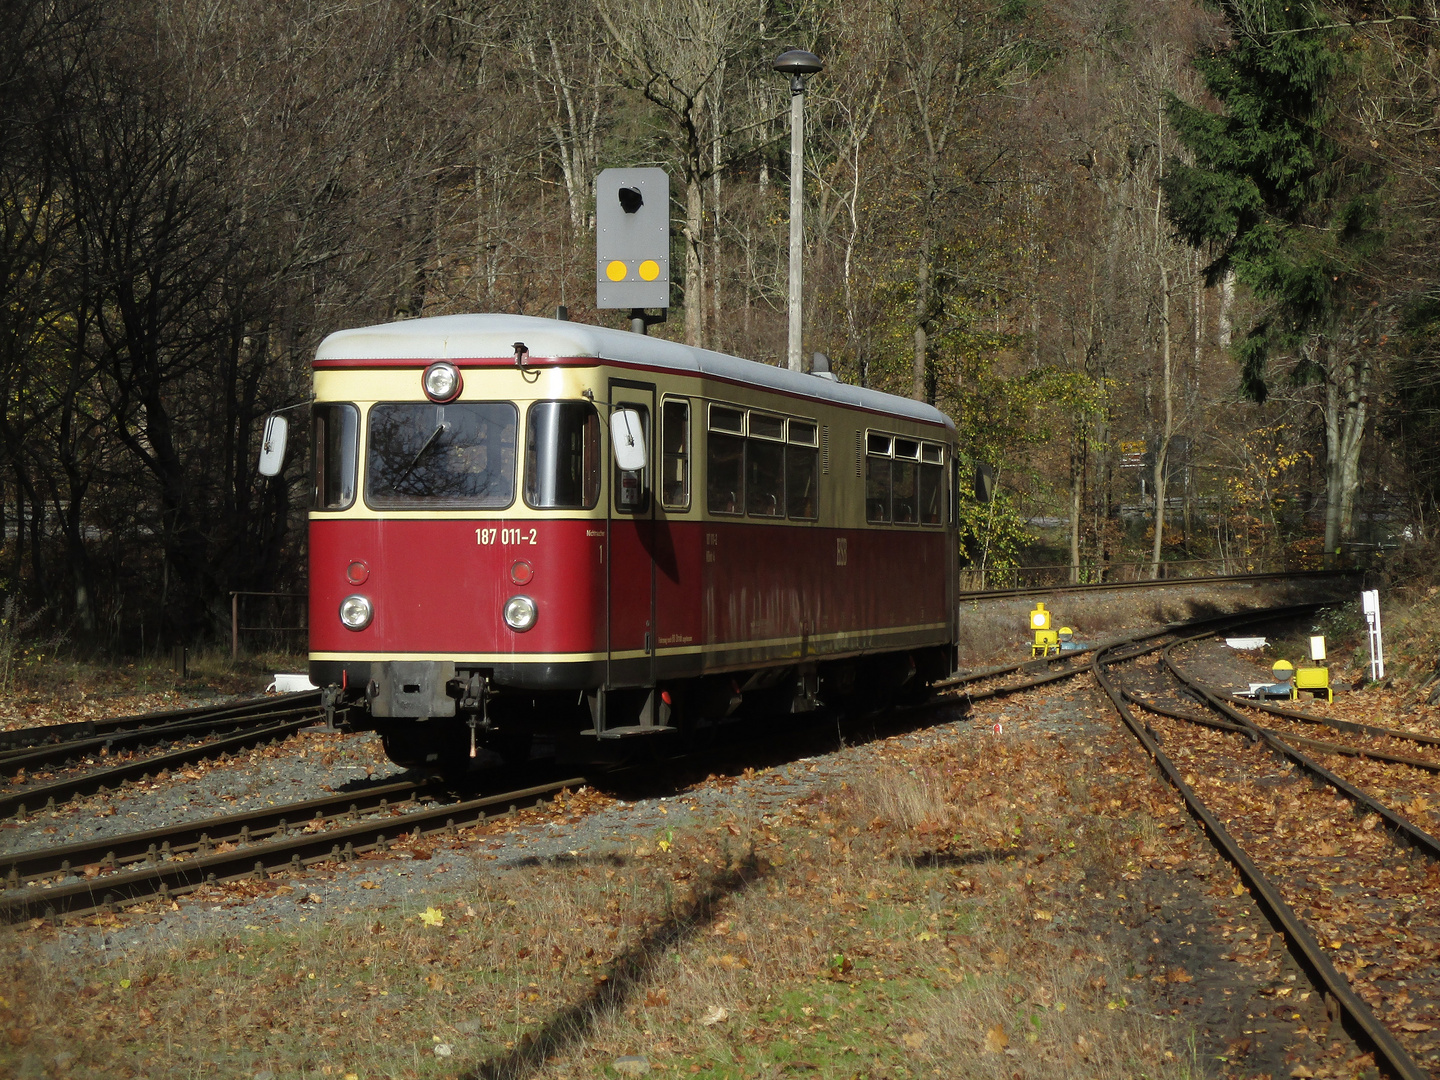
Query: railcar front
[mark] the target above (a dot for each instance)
(456, 546)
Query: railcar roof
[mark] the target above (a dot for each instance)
(482, 337)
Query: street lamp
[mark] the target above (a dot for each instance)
(797, 63)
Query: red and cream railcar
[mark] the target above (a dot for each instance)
(482, 572)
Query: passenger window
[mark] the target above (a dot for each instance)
(632, 493)
(801, 472)
(877, 488)
(675, 467)
(336, 430)
(765, 467)
(877, 477)
(725, 461)
(931, 486)
(903, 491)
(902, 482)
(767, 427)
(562, 455)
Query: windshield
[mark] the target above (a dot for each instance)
(457, 455)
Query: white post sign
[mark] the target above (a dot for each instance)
(1370, 604)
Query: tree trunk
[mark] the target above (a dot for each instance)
(1225, 328)
(922, 309)
(1347, 405)
(694, 237)
(1077, 486)
(1162, 452)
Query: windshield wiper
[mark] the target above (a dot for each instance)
(419, 454)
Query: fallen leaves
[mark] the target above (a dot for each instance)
(432, 916)
(996, 1040)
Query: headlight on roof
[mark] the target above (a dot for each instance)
(356, 612)
(441, 382)
(520, 613)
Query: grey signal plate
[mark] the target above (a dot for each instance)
(632, 238)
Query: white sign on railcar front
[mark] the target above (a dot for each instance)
(632, 239)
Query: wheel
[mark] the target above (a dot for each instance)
(441, 746)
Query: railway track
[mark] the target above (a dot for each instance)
(1333, 866)
(1024, 675)
(173, 861)
(239, 727)
(20, 739)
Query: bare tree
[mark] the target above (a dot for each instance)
(675, 54)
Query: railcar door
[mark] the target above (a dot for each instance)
(631, 560)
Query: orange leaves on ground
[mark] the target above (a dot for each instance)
(996, 1040)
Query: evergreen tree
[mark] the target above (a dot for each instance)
(1292, 215)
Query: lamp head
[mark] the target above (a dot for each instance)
(797, 62)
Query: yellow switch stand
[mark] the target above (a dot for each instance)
(1316, 680)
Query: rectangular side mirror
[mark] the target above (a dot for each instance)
(627, 436)
(272, 445)
(984, 483)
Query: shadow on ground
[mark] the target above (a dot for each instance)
(629, 972)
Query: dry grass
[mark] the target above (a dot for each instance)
(919, 921)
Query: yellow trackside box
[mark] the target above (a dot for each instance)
(1316, 680)
(1046, 642)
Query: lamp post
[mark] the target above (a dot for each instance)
(797, 63)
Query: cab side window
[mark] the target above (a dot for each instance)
(562, 455)
(334, 444)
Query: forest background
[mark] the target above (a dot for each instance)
(1133, 247)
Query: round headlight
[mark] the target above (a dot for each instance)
(356, 612)
(520, 613)
(441, 381)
